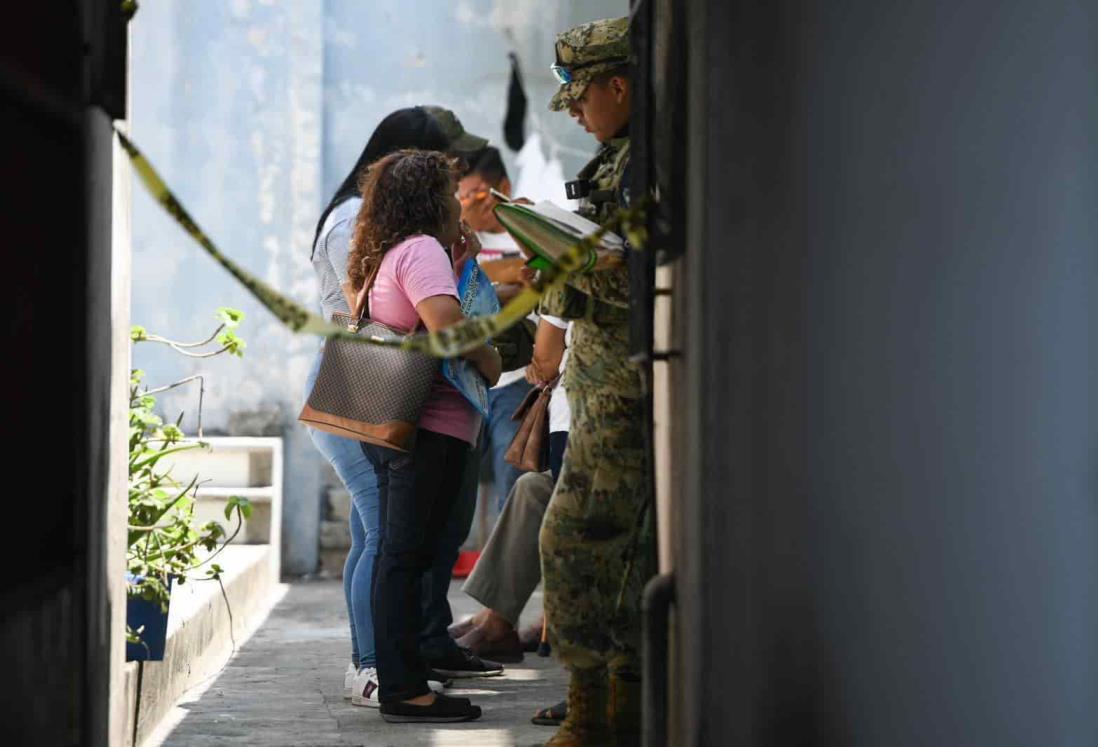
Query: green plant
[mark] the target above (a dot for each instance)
(164, 544)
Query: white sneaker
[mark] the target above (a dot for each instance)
(366, 689)
(349, 681)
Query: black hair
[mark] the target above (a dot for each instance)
(487, 163)
(621, 71)
(404, 128)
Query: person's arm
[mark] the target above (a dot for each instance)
(507, 270)
(609, 285)
(524, 278)
(506, 292)
(337, 246)
(548, 351)
(440, 312)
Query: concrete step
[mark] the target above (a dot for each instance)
(200, 636)
(244, 466)
(210, 506)
(230, 461)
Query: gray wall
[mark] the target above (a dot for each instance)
(254, 111)
(890, 528)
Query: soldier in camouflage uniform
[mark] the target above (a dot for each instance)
(591, 525)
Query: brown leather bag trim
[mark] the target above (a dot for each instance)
(395, 435)
(527, 402)
(527, 449)
(535, 444)
(515, 451)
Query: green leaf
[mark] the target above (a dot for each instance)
(232, 344)
(150, 461)
(164, 541)
(230, 317)
(238, 503)
(172, 433)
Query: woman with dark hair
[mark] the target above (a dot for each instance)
(407, 237)
(404, 128)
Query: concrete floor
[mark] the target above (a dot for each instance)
(284, 687)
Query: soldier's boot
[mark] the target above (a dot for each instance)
(587, 723)
(625, 709)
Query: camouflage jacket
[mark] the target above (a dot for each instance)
(598, 301)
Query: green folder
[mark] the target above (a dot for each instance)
(542, 230)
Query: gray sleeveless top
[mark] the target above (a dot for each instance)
(333, 247)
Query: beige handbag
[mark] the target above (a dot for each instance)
(369, 392)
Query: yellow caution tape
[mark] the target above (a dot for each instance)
(444, 343)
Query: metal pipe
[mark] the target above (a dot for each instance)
(659, 594)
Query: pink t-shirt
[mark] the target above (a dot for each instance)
(415, 269)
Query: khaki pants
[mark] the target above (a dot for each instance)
(509, 568)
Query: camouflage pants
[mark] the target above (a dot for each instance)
(589, 532)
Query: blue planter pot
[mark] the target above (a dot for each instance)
(141, 612)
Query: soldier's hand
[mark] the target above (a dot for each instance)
(506, 291)
(608, 261)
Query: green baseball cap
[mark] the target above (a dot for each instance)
(585, 51)
(460, 140)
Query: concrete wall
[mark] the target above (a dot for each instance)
(254, 110)
(889, 527)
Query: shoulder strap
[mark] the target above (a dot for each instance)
(363, 300)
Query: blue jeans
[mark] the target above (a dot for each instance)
(357, 474)
(499, 431)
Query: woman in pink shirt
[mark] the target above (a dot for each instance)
(409, 216)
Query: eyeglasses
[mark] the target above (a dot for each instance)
(477, 196)
(564, 74)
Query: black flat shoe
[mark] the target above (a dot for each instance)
(445, 710)
(461, 664)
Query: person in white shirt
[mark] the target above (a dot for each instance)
(501, 259)
(509, 569)
(554, 334)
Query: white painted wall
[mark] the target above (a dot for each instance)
(254, 110)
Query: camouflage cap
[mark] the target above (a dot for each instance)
(460, 140)
(587, 50)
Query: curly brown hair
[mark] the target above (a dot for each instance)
(403, 194)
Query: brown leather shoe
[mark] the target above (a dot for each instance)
(506, 650)
(458, 629)
(530, 637)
